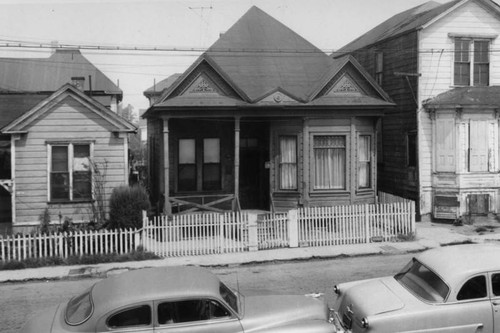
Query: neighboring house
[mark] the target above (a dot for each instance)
(48, 128)
(273, 123)
(439, 63)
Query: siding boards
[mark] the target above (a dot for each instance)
(68, 120)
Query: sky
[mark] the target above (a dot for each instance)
(173, 24)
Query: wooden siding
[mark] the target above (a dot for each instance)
(436, 69)
(399, 56)
(66, 121)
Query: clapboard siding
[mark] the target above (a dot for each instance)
(65, 121)
(436, 63)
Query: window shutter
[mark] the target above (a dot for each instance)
(479, 146)
(445, 144)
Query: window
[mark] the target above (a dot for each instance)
(472, 289)
(495, 284)
(330, 162)
(411, 149)
(211, 164)
(187, 165)
(364, 161)
(79, 309)
(472, 64)
(70, 172)
(190, 311)
(379, 67)
(288, 162)
(136, 316)
(445, 144)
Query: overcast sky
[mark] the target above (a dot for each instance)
(328, 24)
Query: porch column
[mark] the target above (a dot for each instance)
(167, 208)
(236, 203)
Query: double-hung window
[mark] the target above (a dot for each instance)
(70, 172)
(379, 67)
(203, 155)
(364, 161)
(187, 165)
(472, 62)
(329, 162)
(288, 162)
(211, 164)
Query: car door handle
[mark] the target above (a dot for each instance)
(495, 302)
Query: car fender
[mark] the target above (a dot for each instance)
(302, 327)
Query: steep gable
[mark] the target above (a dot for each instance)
(114, 122)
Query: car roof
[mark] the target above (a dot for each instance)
(458, 262)
(153, 284)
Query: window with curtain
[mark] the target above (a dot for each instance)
(288, 162)
(472, 63)
(70, 174)
(329, 162)
(364, 161)
(186, 178)
(211, 164)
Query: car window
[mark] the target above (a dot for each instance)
(423, 282)
(495, 284)
(473, 288)
(136, 316)
(190, 310)
(79, 309)
(228, 296)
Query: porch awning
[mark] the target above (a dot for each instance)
(487, 97)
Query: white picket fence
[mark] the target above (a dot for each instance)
(196, 234)
(66, 244)
(216, 233)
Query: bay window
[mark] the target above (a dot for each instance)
(288, 162)
(70, 172)
(329, 162)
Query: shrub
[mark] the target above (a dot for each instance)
(126, 205)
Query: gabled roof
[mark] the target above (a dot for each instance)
(49, 74)
(485, 97)
(12, 106)
(259, 61)
(404, 22)
(161, 86)
(22, 122)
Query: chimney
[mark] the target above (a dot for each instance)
(78, 82)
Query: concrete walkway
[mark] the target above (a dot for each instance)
(428, 235)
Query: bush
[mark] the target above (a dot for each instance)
(126, 205)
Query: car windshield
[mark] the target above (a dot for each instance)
(423, 282)
(79, 308)
(229, 297)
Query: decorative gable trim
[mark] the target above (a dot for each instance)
(203, 85)
(345, 85)
(278, 96)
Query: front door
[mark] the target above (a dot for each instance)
(495, 300)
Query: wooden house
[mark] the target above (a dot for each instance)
(438, 62)
(264, 120)
(52, 120)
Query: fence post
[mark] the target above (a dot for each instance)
(253, 237)
(367, 223)
(293, 228)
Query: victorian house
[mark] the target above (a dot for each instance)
(264, 120)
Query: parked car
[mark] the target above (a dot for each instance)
(180, 299)
(448, 289)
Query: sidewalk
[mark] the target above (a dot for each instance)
(428, 235)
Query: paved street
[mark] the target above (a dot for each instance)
(21, 301)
